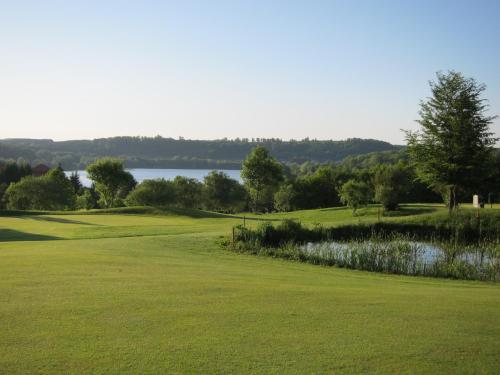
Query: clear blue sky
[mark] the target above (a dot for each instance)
(214, 69)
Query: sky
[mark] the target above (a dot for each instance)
(228, 69)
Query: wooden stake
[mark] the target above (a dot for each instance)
(233, 238)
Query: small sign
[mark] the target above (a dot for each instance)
(475, 200)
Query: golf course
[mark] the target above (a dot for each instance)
(150, 291)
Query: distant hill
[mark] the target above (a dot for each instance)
(159, 152)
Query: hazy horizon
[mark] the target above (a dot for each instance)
(225, 69)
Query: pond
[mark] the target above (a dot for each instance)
(408, 257)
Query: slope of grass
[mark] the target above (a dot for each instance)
(341, 215)
(146, 293)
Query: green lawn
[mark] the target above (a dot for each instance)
(155, 293)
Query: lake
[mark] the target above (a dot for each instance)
(141, 174)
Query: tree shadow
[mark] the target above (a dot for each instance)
(56, 220)
(201, 214)
(9, 235)
(401, 211)
(407, 211)
(339, 208)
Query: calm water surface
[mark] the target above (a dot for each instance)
(141, 174)
(421, 252)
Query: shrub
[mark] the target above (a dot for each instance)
(87, 201)
(355, 194)
(317, 190)
(390, 183)
(157, 192)
(188, 192)
(50, 192)
(283, 199)
(221, 193)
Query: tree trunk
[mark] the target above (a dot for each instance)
(452, 198)
(257, 197)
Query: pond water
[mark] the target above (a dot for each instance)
(410, 252)
(141, 174)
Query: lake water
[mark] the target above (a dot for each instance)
(141, 174)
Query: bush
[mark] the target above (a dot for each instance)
(50, 192)
(284, 197)
(3, 189)
(188, 192)
(390, 184)
(88, 200)
(355, 194)
(317, 190)
(224, 194)
(157, 192)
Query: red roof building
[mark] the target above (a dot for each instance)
(40, 170)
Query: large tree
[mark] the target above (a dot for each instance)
(453, 149)
(109, 178)
(262, 175)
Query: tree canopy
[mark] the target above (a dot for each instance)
(262, 175)
(453, 149)
(52, 191)
(109, 178)
(222, 193)
(157, 192)
(355, 194)
(390, 183)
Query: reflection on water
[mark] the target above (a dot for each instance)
(411, 252)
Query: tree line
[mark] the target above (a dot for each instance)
(160, 152)
(268, 186)
(451, 157)
(113, 186)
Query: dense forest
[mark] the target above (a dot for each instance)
(159, 152)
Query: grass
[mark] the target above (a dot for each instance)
(153, 292)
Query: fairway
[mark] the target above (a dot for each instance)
(154, 292)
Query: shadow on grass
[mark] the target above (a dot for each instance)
(402, 211)
(192, 213)
(340, 208)
(16, 213)
(142, 210)
(159, 211)
(56, 220)
(8, 235)
(407, 211)
(201, 214)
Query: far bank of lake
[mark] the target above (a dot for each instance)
(141, 174)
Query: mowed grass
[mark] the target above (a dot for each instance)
(144, 293)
